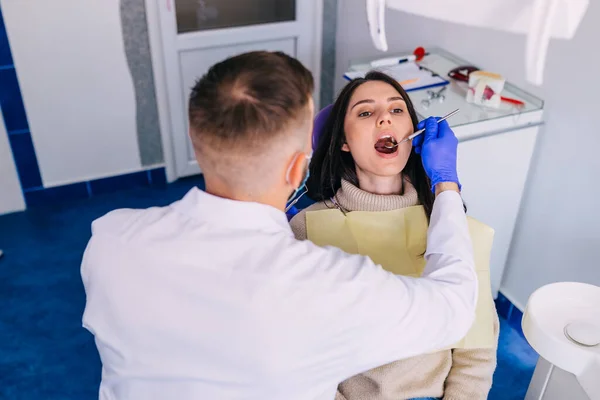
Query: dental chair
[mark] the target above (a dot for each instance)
(318, 127)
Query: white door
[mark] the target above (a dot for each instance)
(199, 33)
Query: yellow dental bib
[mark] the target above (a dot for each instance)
(397, 240)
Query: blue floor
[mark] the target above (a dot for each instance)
(45, 354)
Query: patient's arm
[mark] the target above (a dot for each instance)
(298, 225)
(472, 369)
(339, 396)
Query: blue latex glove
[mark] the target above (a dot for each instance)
(438, 147)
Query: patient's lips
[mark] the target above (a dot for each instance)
(384, 143)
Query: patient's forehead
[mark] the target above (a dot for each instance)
(374, 90)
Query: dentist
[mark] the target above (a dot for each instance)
(212, 297)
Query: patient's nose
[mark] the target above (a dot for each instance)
(384, 119)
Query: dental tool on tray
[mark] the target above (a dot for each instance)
(390, 145)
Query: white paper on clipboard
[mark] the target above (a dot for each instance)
(408, 74)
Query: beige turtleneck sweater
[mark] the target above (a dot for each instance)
(458, 374)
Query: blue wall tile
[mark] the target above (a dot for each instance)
(58, 194)
(158, 177)
(5, 56)
(25, 160)
(503, 306)
(19, 131)
(37, 195)
(115, 183)
(15, 117)
(11, 101)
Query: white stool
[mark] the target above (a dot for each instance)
(562, 323)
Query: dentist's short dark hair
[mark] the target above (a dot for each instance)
(248, 99)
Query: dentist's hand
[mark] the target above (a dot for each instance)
(438, 148)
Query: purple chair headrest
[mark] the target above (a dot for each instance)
(319, 125)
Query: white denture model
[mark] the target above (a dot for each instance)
(485, 88)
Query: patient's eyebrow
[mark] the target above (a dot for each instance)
(394, 98)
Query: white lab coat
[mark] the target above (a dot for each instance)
(211, 298)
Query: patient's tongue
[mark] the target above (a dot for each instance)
(383, 146)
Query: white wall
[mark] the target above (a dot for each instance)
(76, 86)
(11, 197)
(558, 232)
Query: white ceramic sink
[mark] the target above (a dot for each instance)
(562, 323)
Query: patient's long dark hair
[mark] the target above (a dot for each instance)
(330, 164)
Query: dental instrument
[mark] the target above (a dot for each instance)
(390, 145)
(431, 96)
(417, 55)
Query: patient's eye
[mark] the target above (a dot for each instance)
(364, 114)
(397, 110)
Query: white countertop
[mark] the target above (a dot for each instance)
(472, 120)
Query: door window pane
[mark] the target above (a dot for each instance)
(200, 15)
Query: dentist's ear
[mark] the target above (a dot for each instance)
(296, 170)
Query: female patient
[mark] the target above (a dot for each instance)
(352, 170)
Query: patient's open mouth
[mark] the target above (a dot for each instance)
(386, 145)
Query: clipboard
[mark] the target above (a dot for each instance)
(409, 74)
